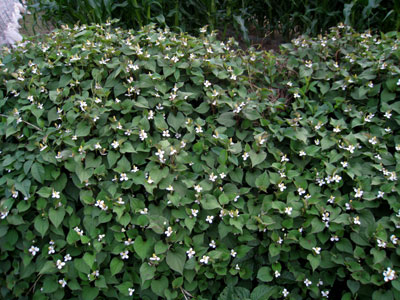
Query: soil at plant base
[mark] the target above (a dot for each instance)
(31, 26)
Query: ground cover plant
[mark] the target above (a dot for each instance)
(146, 164)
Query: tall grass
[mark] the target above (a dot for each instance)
(287, 18)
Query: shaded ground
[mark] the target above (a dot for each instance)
(31, 26)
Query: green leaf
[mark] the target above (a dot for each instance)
(257, 158)
(116, 266)
(262, 181)
(159, 286)
(56, 216)
(308, 242)
(89, 259)
(209, 202)
(264, 274)
(82, 129)
(90, 293)
(176, 260)
(50, 285)
(353, 286)
(147, 272)
(236, 293)
(223, 157)
(41, 225)
(49, 267)
(24, 187)
(263, 292)
(227, 119)
(38, 172)
(176, 121)
(143, 248)
(315, 260)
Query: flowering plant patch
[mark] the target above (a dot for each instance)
(146, 164)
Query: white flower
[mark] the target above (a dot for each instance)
(134, 169)
(123, 177)
(33, 250)
(373, 140)
(67, 257)
(190, 253)
(398, 82)
(325, 294)
(285, 293)
(62, 282)
(213, 177)
(389, 274)
(150, 181)
(289, 83)
(124, 255)
(307, 282)
(207, 83)
(210, 219)
(51, 249)
(199, 129)
(317, 250)
(282, 186)
(144, 211)
(222, 175)
(205, 259)
(154, 257)
(212, 244)
(284, 158)
(245, 155)
(337, 129)
(97, 146)
(115, 144)
(198, 188)
(331, 199)
(359, 193)
(237, 267)
(301, 191)
(166, 133)
(55, 194)
(380, 194)
(142, 135)
(170, 188)
(131, 291)
(344, 164)
(356, 220)
(233, 253)
(277, 274)
(288, 210)
(334, 238)
(394, 239)
(60, 264)
(194, 212)
(296, 95)
(381, 244)
(169, 231)
(78, 231)
(302, 153)
(388, 114)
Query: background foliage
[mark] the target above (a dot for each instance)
(260, 18)
(148, 164)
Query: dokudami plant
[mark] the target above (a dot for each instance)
(149, 164)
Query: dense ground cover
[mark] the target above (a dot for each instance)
(153, 164)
